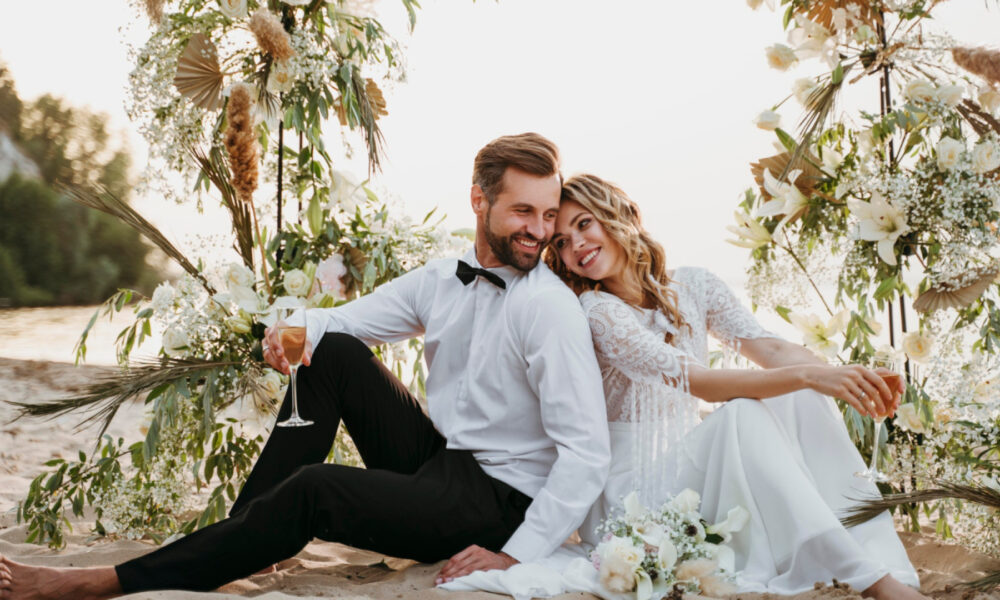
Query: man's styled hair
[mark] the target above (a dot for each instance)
(528, 152)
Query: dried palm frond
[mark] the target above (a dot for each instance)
(978, 494)
(215, 169)
(98, 197)
(944, 296)
(271, 35)
(981, 121)
(823, 11)
(199, 76)
(821, 103)
(807, 181)
(979, 61)
(106, 395)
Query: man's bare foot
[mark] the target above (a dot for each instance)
(889, 588)
(26, 582)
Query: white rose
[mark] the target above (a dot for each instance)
(919, 89)
(686, 502)
(175, 341)
(803, 89)
(780, 56)
(239, 275)
(917, 346)
(989, 99)
(163, 298)
(908, 419)
(281, 78)
(297, 283)
(950, 94)
(271, 385)
(239, 323)
(755, 4)
(619, 560)
(985, 157)
(234, 9)
(768, 120)
(949, 151)
(297, 2)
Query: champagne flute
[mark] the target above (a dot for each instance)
(293, 342)
(892, 380)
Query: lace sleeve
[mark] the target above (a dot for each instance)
(622, 342)
(726, 317)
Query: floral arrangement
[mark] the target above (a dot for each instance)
(214, 90)
(656, 553)
(890, 214)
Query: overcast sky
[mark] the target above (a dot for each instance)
(657, 96)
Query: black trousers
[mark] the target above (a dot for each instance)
(416, 499)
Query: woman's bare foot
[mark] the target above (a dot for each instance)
(26, 582)
(267, 570)
(889, 588)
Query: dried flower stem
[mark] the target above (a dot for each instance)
(271, 36)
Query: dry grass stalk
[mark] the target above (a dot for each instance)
(822, 12)
(241, 143)
(154, 10)
(271, 36)
(376, 99)
(979, 61)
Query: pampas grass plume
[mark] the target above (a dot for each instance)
(980, 61)
(271, 36)
(241, 143)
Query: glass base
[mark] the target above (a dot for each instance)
(294, 421)
(873, 476)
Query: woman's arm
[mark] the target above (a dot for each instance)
(772, 353)
(860, 387)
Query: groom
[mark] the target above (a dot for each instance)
(504, 468)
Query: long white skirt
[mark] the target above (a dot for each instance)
(789, 461)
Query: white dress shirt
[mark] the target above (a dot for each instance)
(512, 378)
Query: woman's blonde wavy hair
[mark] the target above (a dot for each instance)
(645, 261)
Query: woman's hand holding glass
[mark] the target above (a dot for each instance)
(862, 388)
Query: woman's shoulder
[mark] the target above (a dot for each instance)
(591, 298)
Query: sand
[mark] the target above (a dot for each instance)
(321, 570)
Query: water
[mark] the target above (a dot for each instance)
(50, 334)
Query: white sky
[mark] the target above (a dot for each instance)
(656, 96)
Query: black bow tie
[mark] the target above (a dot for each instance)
(466, 273)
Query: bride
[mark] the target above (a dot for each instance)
(778, 446)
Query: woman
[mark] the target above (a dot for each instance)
(787, 459)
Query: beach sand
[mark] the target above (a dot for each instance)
(321, 570)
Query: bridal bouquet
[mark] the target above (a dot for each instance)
(657, 552)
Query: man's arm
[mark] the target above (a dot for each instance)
(389, 314)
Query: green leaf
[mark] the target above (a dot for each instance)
(886, 289)
(783, 312)
(314, 216)
(786, 140)
(838, 75)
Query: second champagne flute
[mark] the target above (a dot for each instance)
(892, 380)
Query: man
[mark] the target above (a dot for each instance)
(504, 468)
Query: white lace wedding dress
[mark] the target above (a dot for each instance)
(788, 460)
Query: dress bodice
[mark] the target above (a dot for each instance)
(636, 360)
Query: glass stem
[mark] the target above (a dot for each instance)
(878, 434)
(295, 396)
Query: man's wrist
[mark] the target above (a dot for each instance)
(507, 557)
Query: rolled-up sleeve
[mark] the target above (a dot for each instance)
(564, 374)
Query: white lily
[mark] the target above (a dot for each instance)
(786, 199)
(687, 501)
(666, 558)
(880, 222)
(750, 233)
(818, 335)
(736, 519)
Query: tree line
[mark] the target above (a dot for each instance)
(52, 250)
